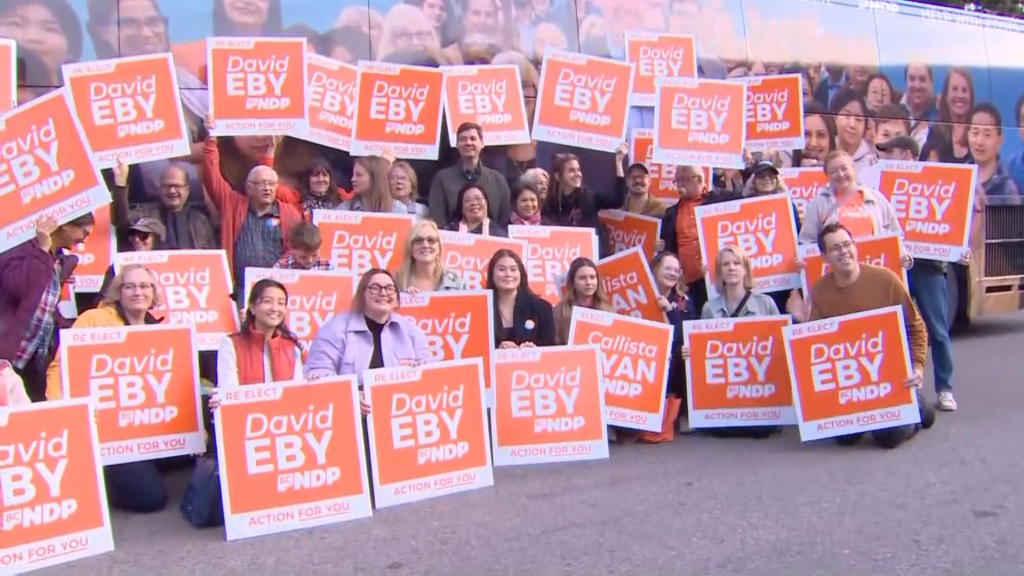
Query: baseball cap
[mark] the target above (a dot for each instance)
(150, 226)
(902, 142)
(638, 166)
(765, 166)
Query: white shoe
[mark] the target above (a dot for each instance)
(946, 401)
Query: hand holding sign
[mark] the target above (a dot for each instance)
(684, 351)
(507, 345)
(965, 258)
(907, 261)
(45, 226)
(916, 378)
(121, 173)
(364, 403)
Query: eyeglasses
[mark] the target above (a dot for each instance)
(142, 286)
(142, 236)
(420, 240)
(377, 289)
(843, 247)
(264, 183)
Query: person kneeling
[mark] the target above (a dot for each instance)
(850, 287)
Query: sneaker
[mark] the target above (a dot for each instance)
(946, 401)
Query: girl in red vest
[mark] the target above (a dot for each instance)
(265, 350)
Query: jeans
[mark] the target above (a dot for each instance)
(928, 287)
(892, 437)
(135, 487)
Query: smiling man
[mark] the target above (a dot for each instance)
(444, 190)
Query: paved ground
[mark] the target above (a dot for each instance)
(942, 504)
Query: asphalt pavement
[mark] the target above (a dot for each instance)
(942, 504)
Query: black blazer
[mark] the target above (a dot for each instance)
(529, 309)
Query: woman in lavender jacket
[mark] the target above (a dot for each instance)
(372, 335)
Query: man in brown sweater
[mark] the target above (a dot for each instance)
(852, 287)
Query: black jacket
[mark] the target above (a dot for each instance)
(590, 202)
(532, 321)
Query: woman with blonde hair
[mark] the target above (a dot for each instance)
(133, 293)
(583, 289)
(422, 269)
(371, 192)
(367, 19)
(406, 28)
(404, 186)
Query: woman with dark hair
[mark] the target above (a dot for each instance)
(319, 189)
(583, 289)
(819, 136)
(472, 203)
(851, 121)
(49, 28)
(526, 203)
(264, 350)
(570, 203)
(879, 92)
(247, 18)
(521, 318)
(955, 103)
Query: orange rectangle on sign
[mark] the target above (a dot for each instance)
(582, 100)
(399, 111)
(459, 325)
(428, 431)
(774, 112)
(934, 203)
(549, 252)
(144, 381)
(627, 280)
(700, 122)
(331, 102)
(314, 297)
(658, 56)
(737, 373)
(257, 85)
(8, 74)
(848, 374)
(491, 96)
(291, 456)
(884, 251)
(548, 406)
(627, 230)
(804, 184)
(46, 169)
(53, 506)
(355, 242)
(195, 287)
(96, 254)
(635, 355)
(763, 228)
(469, 254)
(129, 108)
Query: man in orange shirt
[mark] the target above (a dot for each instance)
(679, 228)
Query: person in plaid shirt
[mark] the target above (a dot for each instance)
(304, 239)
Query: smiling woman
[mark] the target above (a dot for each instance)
(49, 28)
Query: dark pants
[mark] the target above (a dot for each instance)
(698, 294)
(136, 487)
(928, 287)
(893, 437)
(33, 376)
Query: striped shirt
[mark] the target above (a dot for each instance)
(260, 242)
(288, 262)
(36, 342)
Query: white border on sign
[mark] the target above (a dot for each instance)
(809, 428)
(385, 495)
(319, 135)
(645, 99)
(494, 137)
(693, 157)
(805, 251)
(766, 144)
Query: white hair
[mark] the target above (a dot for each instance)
(255, 170)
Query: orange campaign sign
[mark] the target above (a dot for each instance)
(129, 108)
(658, 56)
(359, 241)
(53, 503)
(934, 203)
(291, 456)
(884, 251)
(764, 228)
(195, 289)
(549, 252)
(144, 383)
(8, 74)
(331, 102)
(96, 254)
(627, 230)
(582, 100)
(257, 85)
(491, 96)
(428, 431)
(399, 111)
(737, 373)
(847, 374)
(700, 122)
(459, 325)
(629, 283)
(45, 168)
(469, 254)
(548, 406)
(803, 184)
(635, 355)
(314, 297)
(775, 112)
